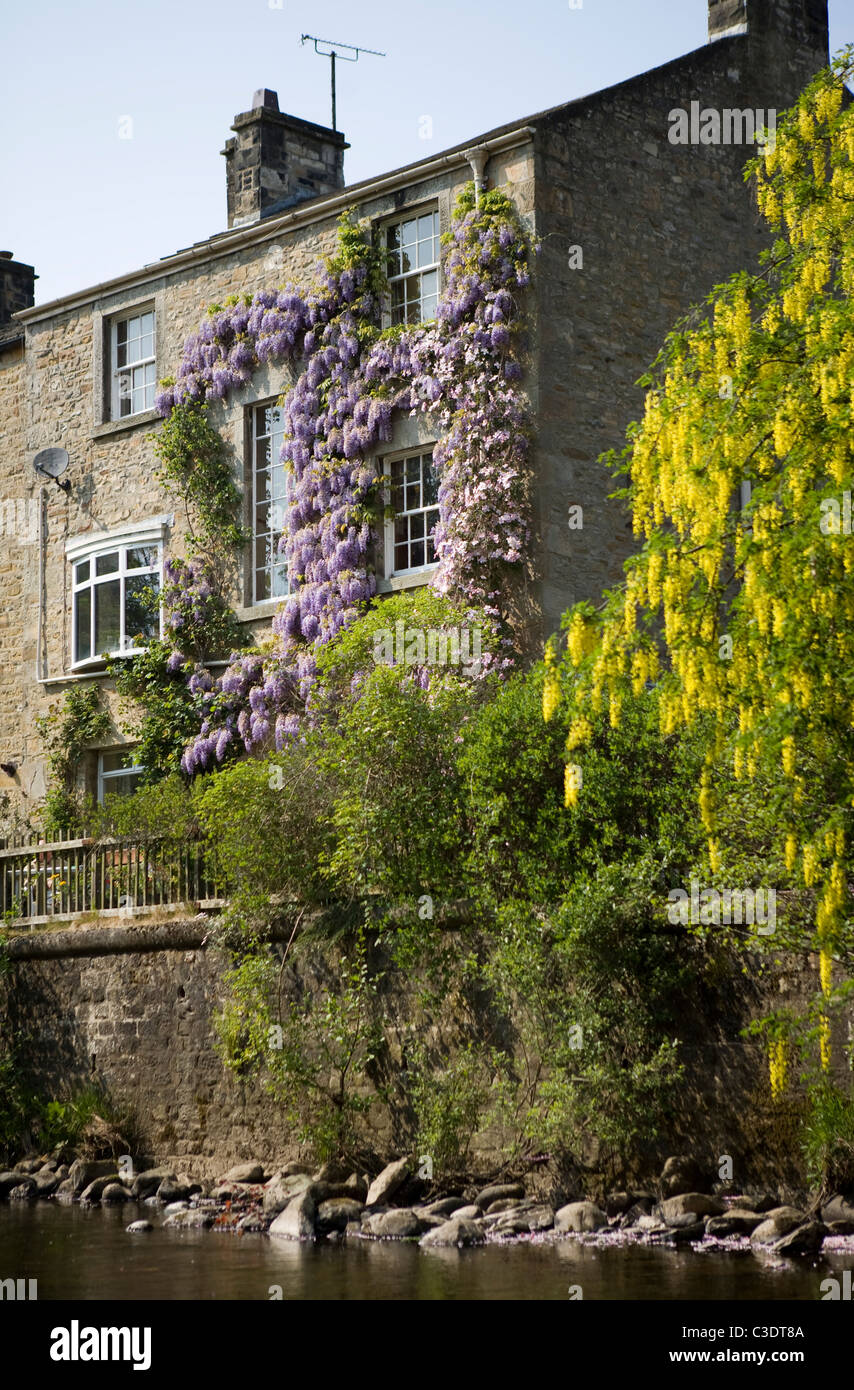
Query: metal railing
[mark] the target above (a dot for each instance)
(41, 882)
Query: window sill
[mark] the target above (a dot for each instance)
(261, 612)
(411, 579)
(129, 422)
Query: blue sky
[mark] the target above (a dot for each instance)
(82, 204)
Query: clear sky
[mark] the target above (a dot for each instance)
(114, 115)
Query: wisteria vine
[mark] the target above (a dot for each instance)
(464, 371)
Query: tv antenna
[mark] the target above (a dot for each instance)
(334, 52)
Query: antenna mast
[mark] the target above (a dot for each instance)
(333, 53)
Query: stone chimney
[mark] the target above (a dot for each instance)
(275, 161)
(17, 284)
(798, 23)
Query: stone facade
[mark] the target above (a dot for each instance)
(657, 225)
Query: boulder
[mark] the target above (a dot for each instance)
(296, 1222)
(192, 1218)
(114, 1193)
(803, 1240)
(146, 1184)
(678, 1235)
(682, 1173)
(499, 1192)
(137, 1227)
(65, 1192)
(760, 1201)
(91, 1195)
(777, 1223)
(446, 1206)
(840, 1228)
(455, 1232)
(685, 1209)
(331, 1171)
(24, 1190)
(225, 1191)
(472, 1212)
(29, 1165)
(175, 1206)
(580, 1216)
(384, 1186)
(524, 1220)
(618, 1203)
(733, 1223)
(356, 1187)
(245, 1172)
(292, 1170)
(503, 1204)
(83, 1172)
(173, 1190)
(46, 1183)
(396, 1225)
(335, 1214)
(837, 1209)
(281, 1189)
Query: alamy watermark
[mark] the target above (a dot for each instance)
(429, 647)
(729, 126)
(711, 907)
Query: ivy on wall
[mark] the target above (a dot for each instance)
(461, 372)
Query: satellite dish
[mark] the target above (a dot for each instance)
(52, 463)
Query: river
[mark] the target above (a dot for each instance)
(76, 1253)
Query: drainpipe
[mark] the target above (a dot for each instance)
(42, 527)
(477, 158)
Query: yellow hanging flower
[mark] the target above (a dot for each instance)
(778, 1065)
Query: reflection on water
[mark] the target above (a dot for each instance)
(76, 1253)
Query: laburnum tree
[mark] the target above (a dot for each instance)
(739, 608)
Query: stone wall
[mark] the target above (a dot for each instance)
(659, 225)
(131, 1009)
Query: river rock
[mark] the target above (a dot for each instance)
(29, 1165)
(46, 1183)
(245, 1172)
(292, 1170)
(50, 1165)
(472, 1212)
(173, 1190)
(840, 1228)
(356, 1187)
(803, 1240)
(91, 1195)
(837, 1209)
(777, 1223)
(137, 1227)
(682, 1173)
(282, 1189)
(335, 1214)
(525, 1220)
(331, 1171)
(396, 1225)
(762, 1202)
(175, 1206)
(64, 1194)
(24, 1190)
(296, 1222)
(62, 1171)
(84, 1171)
(499, 1192)
(618, 1203)
(503, 1204)
(455, 1232)
(392, 1177)
(446, 1206)
(678, 1235)
(687, 1207)
(580, 1216)
(191, 1218)
(734, 1222)
(146, 1184)
(114, 1193)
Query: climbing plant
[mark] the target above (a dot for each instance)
(67, 731)
(462, 371)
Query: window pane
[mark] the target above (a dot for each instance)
(401, 557)
(416, 554)
(142, 557)
(280, 581)
(262, 584)
(83, 617)
(431, 483)
(120, 786)
(262, 518)
(120, 758)
(141, 619)
(401, 529)
(425, 227)
(107, 623)
(81, 572)
(146, 323)
(107, 564)
(416, 525)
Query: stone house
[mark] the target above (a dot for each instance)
(634, 226)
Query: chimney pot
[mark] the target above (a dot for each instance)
(275, 161)
(267, 100)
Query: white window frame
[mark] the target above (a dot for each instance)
(132, 769)
(117, 373)
(254, 437)
(89, 547)
(400, 456)
(412, 216)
